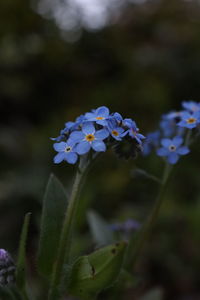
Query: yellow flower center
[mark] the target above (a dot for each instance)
(115, 132)
(100, 118)
(68, 149)
(90, 137)
(191, 120)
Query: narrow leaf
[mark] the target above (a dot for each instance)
(21, 262)
(100, 229)
(97, 271)
(5, 294)
(54, 207)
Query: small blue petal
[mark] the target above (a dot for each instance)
(99, 146)
(59, 146)
(59, 157)
(89, 116)
(102, 134)
(102, 111)
(166, 142)
(177, 141)
(162, 152)
(71, 157)
(88, 128)
(77, 136)
(83, 147)
(173, 158)
(183, 150)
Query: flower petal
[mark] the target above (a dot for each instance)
(166, 142)
(90, 116)
(76, 136)
(183, 150)
(102, 134)
(173, 158)
(177, 141)
(59, 157)
(162, 152)
(83, 147)
(71, 157)
(99, 146)
(88, 128)
(59, 146)
(102, 111)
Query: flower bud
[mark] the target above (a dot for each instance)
(7, 268)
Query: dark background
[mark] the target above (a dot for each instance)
(141, 62)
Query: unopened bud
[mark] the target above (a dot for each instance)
(7, 268)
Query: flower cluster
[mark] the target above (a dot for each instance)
(7, 268)
(170, 140)
(94, 132)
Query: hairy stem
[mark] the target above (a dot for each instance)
(66, 234)
(144, 234)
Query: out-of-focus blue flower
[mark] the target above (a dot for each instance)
(133, 131)
(152, 141)
(191, 106)
(99, 115)
(172, 149)
(127, 226)
(89, 138)
(66, 151)
(168, 126)
(190, 120)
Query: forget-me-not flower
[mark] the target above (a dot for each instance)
(99, 115)
(133, 131)
(172, 149)
(190, 120)
(191, 106)
(66, 151)
(89, 138)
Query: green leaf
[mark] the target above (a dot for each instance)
(97, 271)
(6, 294)
(100, 229)
(21, 261)
(155, 294)
(54, 207)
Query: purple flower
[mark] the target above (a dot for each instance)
(89, 138)
(190, 120)
(66, 152)
(172, 149)
(99, 115)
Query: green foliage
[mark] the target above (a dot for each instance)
(21, 263)
(101, 232)
(54, 207)
(97, 271)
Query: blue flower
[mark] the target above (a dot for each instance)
(191, 106)
(99, 115)
(89, 138)
(66, 152)
(190, 120)
(172, 149)
(133, 131)
(152, 141)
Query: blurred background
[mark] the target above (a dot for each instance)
(141, 58)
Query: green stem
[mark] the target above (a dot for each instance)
(66, 234)
(146, 230)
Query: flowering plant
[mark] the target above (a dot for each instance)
(80, 142)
